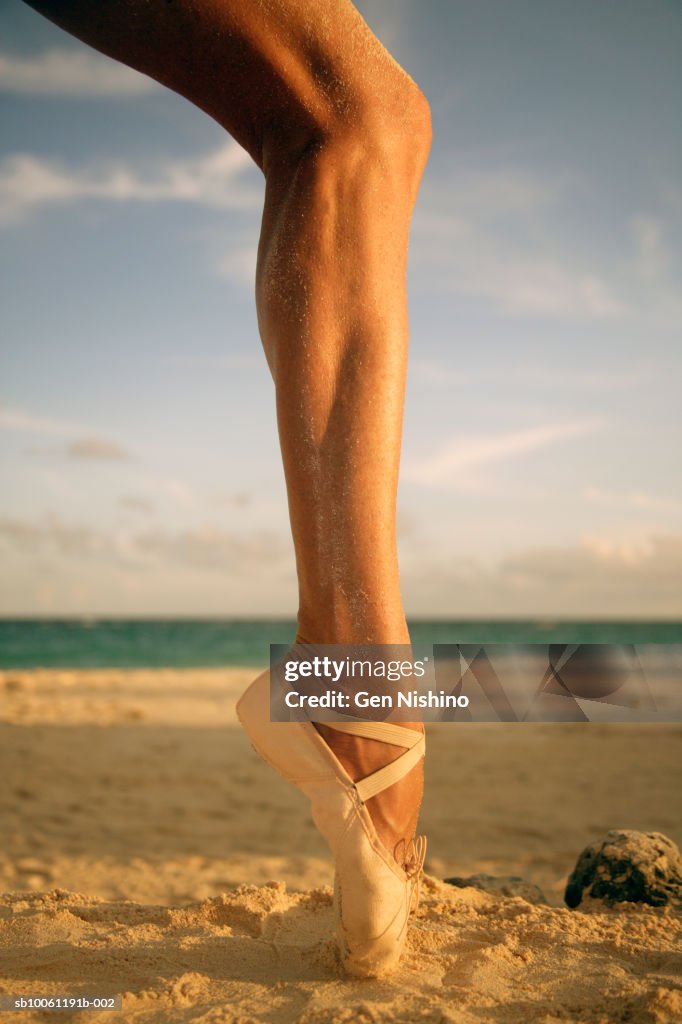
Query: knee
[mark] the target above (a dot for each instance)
(389, 142)
(388, 126)
(413, 122)
(404, 132)
(394, 111)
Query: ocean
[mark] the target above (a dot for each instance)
(149, 643)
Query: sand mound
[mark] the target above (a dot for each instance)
(263, 954)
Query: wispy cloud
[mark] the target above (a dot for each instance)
(136, 503)
(205, 548)
(180, 492)
(482, 234)
(657, 267)
(654, 558)
(485, 195)
(73, 72)
(465, 453)
(652, 253)
(83, 444)
(631, 499)
(524, 375)
(232, 250)
(96, 448)
(28, 183)
(598, 577)
(238, 264)
(26, 422)
(254, 360)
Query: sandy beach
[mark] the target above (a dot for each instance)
(147, 851)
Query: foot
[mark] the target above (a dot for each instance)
(394, 812)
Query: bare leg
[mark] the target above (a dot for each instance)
(333, 317)
(342, 135)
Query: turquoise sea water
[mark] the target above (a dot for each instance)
(146, 643)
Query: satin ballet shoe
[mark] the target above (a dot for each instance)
(373, 894)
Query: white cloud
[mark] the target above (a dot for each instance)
(53, 535)
(72, 72)
(210, 548)
(482, 235)
(213, 570)
(83, 444)
(473, 261)
(463, 453)
(632, 499)
(204, 548)
(180, 492)
(546, 287)
(603, 562)
(484, 195)
(598, 577)
(25, 422)
(618, 553)
(28, 183)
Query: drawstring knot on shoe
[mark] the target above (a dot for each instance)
(413, 864)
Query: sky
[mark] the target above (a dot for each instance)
(540, 472)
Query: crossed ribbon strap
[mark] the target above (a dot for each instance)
(395, 735)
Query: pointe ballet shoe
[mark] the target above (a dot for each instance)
(373, 895)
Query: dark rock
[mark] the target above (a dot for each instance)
(627, 866)
(501, 885)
